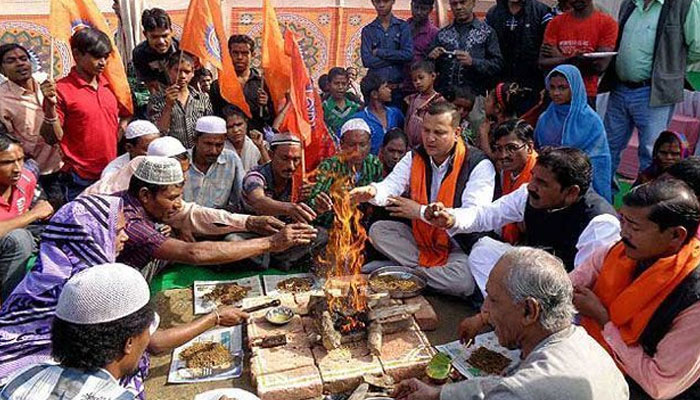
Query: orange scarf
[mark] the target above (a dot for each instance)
(434, 243)
(511, 232)
(632, 302)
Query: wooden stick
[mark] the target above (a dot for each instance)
(262, 87)
(51, 46)
(179, 61)
(360, 392)
(374, 338)
(393, 311)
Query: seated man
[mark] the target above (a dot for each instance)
(354, 160)
(96, 339)
(19, 207)
(138, 135)
(250, 146)
(639, 298)
(155, 193)
(216, 174)
(529, 307)
(559, 210)
(443, 169)
(513, 151)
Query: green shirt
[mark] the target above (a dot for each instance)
(335, 117)
(372, 171)
(636, 52)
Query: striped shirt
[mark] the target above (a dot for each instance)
(50, 381)
(182, 118)
(144, 237)
(220, 186)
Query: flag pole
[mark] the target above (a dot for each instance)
(51, 45)
(262, 87)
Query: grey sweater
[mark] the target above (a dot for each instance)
(567, 365)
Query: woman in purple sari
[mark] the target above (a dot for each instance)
(85, 232)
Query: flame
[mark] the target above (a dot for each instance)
(351, 324)
(345, 250)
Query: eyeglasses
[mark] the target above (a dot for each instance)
(510, 148)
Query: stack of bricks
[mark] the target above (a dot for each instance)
(301, 370)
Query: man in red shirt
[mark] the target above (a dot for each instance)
(574, 33)
(81, 113)
(17, 195)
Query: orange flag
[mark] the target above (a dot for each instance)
(69, 16)
(202, 37)
(305, 117)
(275, 63)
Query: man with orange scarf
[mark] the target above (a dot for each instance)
(443, 169)
(641, 298)
(513, 150)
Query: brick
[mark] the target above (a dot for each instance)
(405, 354)
(279, 359)
(258, 328)
(296, 384)
(342, 369)
(426, 317)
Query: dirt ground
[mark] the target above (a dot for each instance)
(175, 307)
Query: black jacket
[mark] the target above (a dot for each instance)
(520, 37)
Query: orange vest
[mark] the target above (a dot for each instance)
(434, 243)
(511, 232)
(630, 301)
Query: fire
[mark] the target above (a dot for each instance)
(345, 251)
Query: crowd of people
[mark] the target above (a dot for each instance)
(474, 152)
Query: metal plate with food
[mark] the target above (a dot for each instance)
(294, 283)
(210, 294)
(211, 356)
(279, 315)
(399, 282)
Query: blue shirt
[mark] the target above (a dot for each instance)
(394, 119)
(220, 186)
(394, 48)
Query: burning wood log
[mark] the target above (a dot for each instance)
(387, 312)
(374, 338)
(331, 338)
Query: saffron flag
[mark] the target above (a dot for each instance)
(275, 63)
(202, 37)
(69, 16)
(305, 116)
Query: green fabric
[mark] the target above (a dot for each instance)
(335, 117)
(179, 276)
(625, 186)
(372, 171)
(694, 79)
(636, 52)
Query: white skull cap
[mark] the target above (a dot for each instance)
(102, 293)
(160, 171)
(355, 124)
(140, 128)
(166, 146)
(211, 124)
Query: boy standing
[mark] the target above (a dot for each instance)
(338, 108)
(380, 117)
(423, 77)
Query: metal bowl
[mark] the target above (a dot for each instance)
(399, 272)
(279, 315)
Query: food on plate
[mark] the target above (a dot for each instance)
(296, 285)
(227, 294)
(392, 283)
(206, 355)
(488, 361)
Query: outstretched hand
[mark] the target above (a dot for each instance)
(438, 215)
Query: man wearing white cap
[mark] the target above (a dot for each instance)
(155, 194)
(103, 324)
(354, 160)
(216, 174)
(443, 169)
(138, 136)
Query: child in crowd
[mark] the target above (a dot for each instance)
(354, 85)
(377, 114)
(423, 78)
(670, 147)
(500, 105)
(202, 80)
(338, 108)
(324, 86)
(463, 98)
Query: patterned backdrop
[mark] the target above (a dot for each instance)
(329, 36)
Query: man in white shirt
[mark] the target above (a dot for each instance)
(444, 169)
(137, 136)
(560, 213)
(530, 308)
